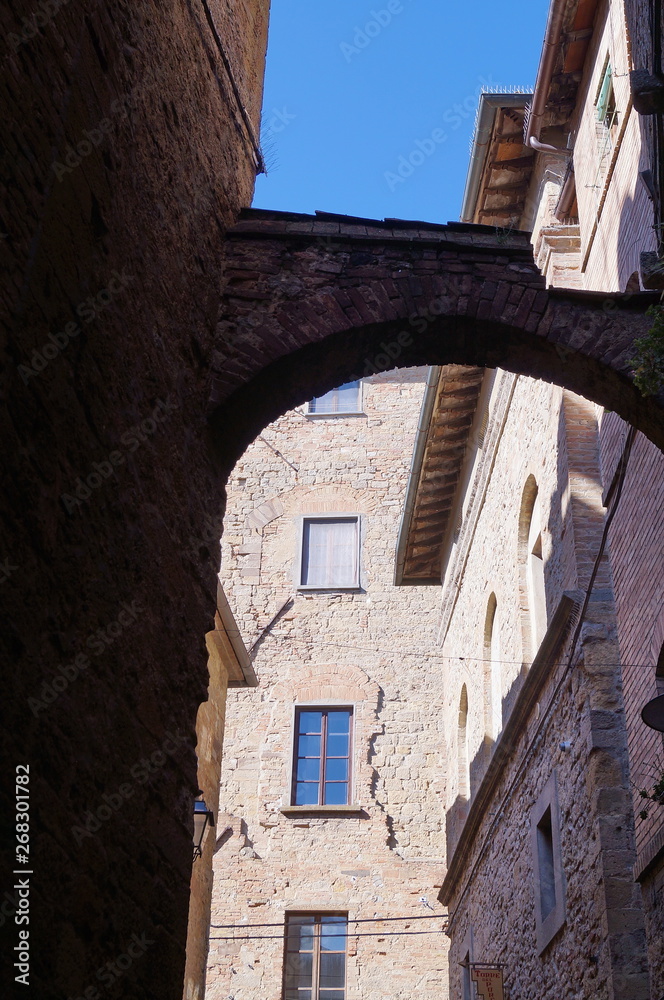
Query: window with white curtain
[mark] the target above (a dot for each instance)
(330, 552)
(344, 399)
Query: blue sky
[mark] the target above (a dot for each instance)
(369, 107)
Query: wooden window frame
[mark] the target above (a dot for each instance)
(321, 782)
(316, 916)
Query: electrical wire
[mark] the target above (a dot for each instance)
(436, 656)
(427, 656)
(378, 934)
(359, 920)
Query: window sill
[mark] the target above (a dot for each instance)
(353, 589)
(351, 809)
(339, 413)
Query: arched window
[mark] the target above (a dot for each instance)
(532, 569)
(492, 671)
(464, 767)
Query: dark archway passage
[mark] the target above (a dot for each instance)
(313, 301)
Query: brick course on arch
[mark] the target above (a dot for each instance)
(313, 301)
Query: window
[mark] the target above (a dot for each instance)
(547, 879)
(606, 114)
(532, 569)
(344, 399)
(330, 552)
(315, 965)
(535, 572)
(493, 676)
(547, 865)
(321, 757)
(462, 746)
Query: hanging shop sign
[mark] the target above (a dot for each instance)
(488, 980)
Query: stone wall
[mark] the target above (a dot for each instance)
(374, 649)
(637, 555)
(616, 213)
(126, 160)
(616, 204)
(560, 717)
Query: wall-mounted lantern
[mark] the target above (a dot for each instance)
(202, 816)
(653, 713)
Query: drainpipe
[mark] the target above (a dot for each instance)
(659, 127)
(554, 27)
(543, 147)
(648, 99)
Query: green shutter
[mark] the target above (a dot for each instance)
(604, 94)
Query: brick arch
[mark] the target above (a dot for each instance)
(310, 302)
(327, 498)
(327, 682)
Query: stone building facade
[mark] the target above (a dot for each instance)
(370, 648)
(539, 817)
(107, 223)
(587, 193)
